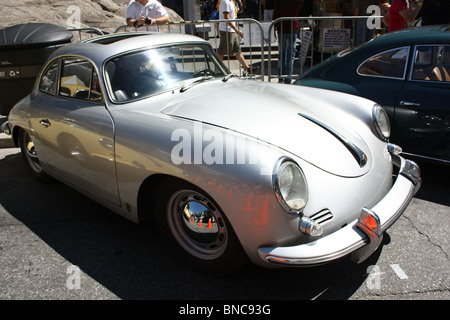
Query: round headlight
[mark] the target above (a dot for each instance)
(290, 186)
(382, 124)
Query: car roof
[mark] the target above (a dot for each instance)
(98, 49)
(411, 36)
(336, 66)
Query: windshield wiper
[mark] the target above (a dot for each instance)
(193, 82)
(228, 77)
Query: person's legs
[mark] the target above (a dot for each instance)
(292, 47)
(287, 54)
(224, 44)
(229, 44)
(241, 58)
(236, 49)
(363, 33)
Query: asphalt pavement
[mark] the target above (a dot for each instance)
(57, 244)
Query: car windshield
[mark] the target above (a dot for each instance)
(141, 74)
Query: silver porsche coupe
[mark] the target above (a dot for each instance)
(232, 169)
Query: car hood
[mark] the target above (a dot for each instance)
(313, 124)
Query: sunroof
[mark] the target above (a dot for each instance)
(114, 38)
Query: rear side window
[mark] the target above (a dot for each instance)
(48, 81)
(387, 64)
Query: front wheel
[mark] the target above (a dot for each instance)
(195, 228)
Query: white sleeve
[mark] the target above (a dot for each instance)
(131, 11)
(225, 6)
(161, 11)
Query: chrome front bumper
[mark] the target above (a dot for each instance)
(360, 238)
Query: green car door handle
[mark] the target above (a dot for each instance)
(409, 104)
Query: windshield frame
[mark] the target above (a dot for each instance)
(207, 48)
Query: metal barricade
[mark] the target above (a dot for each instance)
(317, 38)
(252, 46)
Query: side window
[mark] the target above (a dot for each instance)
(388, 64)
(431, 63)
(48, 81)
(79, 80)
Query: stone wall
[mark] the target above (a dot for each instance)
(106, 15)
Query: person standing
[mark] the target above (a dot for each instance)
(287, 36)
(268, 10)
(400, 14)
(146, 13)
(230, 34)
(360, 8)
(309, 8)
(251, 9)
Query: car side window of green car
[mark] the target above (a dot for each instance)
(431, 63)
(387, 64)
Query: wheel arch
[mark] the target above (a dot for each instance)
(160, 185)
(15, 135)
(146, 201)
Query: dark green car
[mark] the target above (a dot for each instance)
(406, 72)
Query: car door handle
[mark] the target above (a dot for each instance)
(45, 122)
(409, 104)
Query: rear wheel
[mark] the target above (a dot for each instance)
(29, 153)
(195, 228)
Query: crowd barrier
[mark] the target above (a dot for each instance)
(317, 39)
(252, 45)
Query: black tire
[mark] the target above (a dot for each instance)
(206, 241)
(31, 158)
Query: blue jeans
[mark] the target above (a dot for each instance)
(363, 34)
(286, 51)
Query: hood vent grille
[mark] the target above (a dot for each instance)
(322, 216)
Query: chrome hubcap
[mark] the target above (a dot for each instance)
(197, 224)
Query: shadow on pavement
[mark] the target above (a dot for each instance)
(131, 260)
(435, 183)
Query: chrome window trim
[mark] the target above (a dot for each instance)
(109, 90)
(58, 79)
(414, 59)
(386, 77)
(94, 69)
